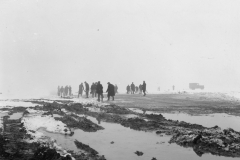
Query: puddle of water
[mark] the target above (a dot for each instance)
(126, 142)
(222, 120)
(16, 115)
(3, 114)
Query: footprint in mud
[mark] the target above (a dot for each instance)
(139, 153)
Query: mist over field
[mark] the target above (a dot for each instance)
(44, 44)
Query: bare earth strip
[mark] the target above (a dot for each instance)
(188, 103)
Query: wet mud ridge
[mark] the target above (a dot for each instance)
(88, 151)
(203, 140)
(14, 145)
(214, 141)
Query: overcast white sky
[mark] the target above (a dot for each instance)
(45, 43)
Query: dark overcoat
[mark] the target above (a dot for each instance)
(144, 87)
(110, 90)
(99, 88)
(86, 87)
(132, 87)
(81, 88)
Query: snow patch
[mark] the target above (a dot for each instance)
(48, 122)
(11, 104)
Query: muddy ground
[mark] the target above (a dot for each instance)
(14, 138)
(194, 104)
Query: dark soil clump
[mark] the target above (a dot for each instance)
(140, 124)
(85, 148)
(82, 123)
(76, 108)
(139, 153)
(90, 152)
(213, 140)
(116, 109)
(45, 153)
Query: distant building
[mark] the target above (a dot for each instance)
(194, 86)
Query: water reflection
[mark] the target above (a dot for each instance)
(126, 142)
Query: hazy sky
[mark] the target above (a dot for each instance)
(46, 43)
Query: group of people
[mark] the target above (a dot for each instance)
(64, 91)
(97, 90)
(137, 89)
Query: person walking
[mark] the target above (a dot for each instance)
(110, 90)
(93, 89)
(95, 94)
(99, 90)
(136, 89)
(81, 88)
(128, 89)
(66, 90)
(61, 91)
(132, 88)
(140, 89)
(70, 90)
(144, 86)
(86, 88)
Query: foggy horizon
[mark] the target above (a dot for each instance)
(46, 44)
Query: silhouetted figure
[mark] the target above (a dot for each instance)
(93, 89)
(99, 91)
(144, 85)
(116, 89)
(140, 89)
(95, 94)
(132, 88)
(70, 90)
(110, 90)
(128, 89)
(86, 88)
(136, 89)
(81, 88)
(59, 92)
(62, 91)
(173, 87)
(66, 90)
